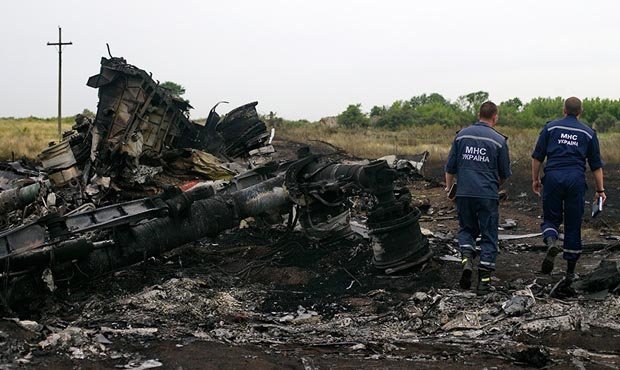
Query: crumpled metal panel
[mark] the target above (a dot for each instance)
(131, 102)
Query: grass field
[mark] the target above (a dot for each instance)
(374, 143)
(28, 136)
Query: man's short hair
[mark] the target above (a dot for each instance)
(487, 110)
(572, 106)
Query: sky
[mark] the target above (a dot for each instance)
(311, 59)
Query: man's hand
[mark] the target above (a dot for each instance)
(536, 187)
(602, 195)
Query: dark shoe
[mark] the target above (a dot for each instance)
(552, 251)
(484, 282)
(465, 281)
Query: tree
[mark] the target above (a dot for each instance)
(514, 104)
(605, 122)
(353, 117)
(400, 113)
(378, 111)
(88, 113)
(540, 110)
(174, 88)
(472, 101)
(509, 111)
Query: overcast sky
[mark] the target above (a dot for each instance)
(309, 59)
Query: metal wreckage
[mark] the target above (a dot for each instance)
(141, 178)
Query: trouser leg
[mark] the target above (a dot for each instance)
(468, 226)
(573, 215)
(552, 206)
(488, 219)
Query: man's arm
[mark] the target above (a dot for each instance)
(449, 181)
(451, 167)
(536, 185)
(598, 180)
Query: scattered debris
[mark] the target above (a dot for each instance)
(230, 245)
(520, 303)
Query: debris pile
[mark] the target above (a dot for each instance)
(148, 227)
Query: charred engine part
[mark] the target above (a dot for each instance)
(17, 198)
(321, 191)
(397, 241)
(60, 164)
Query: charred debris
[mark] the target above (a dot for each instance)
(141, 178)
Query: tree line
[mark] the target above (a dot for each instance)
(602, 114)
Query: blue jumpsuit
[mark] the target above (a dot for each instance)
(567, 144)
(479, 158)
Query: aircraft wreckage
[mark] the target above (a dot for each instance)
(123, 186)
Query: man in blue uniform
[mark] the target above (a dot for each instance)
(566, 144)
(480, 161)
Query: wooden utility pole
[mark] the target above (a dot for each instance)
(60, 44)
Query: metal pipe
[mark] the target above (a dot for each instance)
(17, 198)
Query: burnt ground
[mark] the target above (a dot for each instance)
(265, 298)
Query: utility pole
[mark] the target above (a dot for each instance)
(60, 44)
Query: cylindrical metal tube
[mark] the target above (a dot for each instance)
(17, 198)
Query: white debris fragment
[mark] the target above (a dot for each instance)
(130, 331)
(148, 364)
(28, 325)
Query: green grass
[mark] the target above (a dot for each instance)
(374, 143)
(26, 137)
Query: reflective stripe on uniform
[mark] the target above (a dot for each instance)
(572, 251)
(484, 263)
(479, 138)
(570, 129)
(550, 229)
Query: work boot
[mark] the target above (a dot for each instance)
(484, 282)
(563, 288)
(467, 267)
(552, 251)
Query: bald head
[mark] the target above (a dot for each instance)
(572, 106)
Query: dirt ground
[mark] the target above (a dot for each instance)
(265, 298)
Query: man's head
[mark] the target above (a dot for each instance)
(572, 107)
(488, 113)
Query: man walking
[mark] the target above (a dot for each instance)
(566, 144)
(479, 159)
